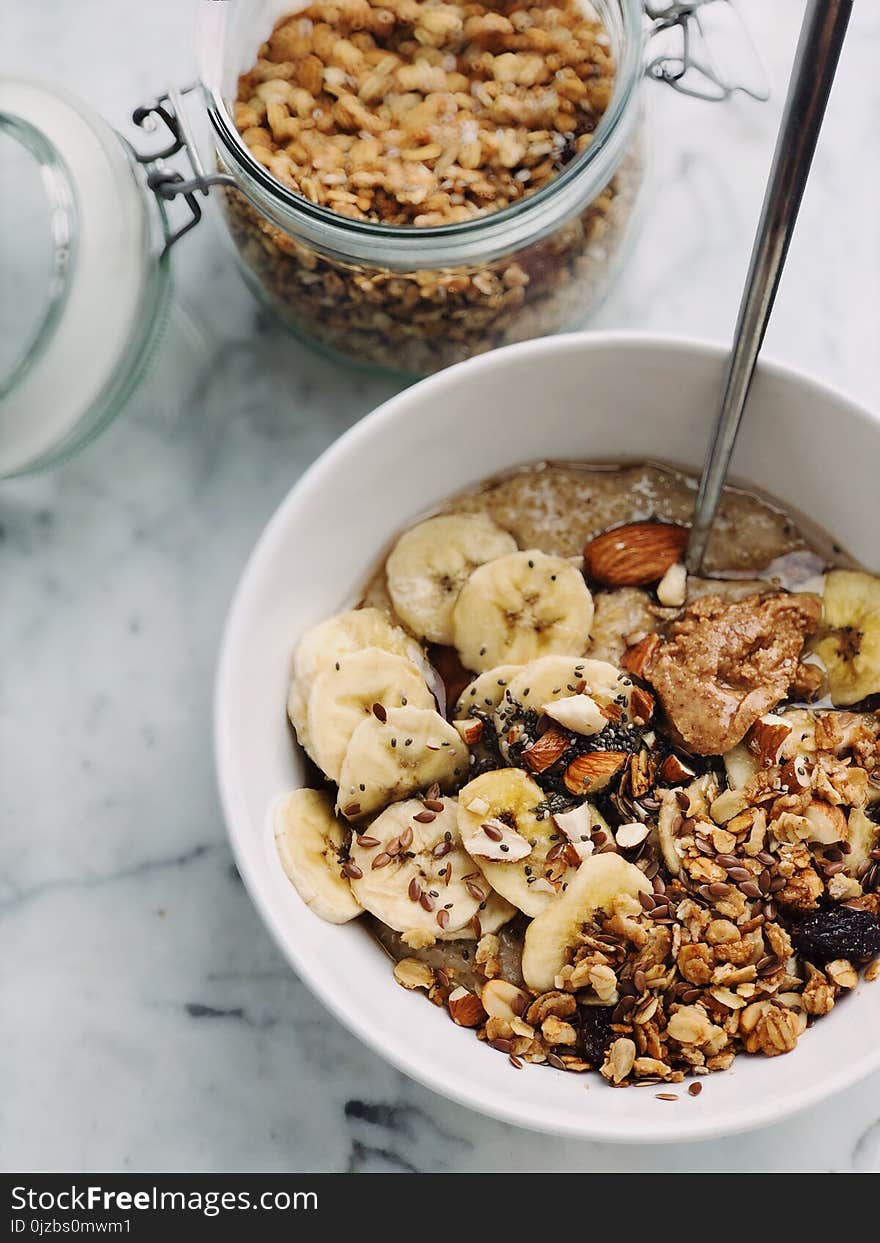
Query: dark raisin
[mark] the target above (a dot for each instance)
(837, 932)
(595, 1032)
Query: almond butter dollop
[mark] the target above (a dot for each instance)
(725, 663)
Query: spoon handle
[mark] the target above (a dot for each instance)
(815, 63)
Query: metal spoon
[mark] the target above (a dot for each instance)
(815, 63)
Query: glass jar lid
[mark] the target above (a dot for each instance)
(85, 282)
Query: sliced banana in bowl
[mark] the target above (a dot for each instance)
(347, 632)
(486, 691)
(519, 607)
(432, 561)
(311, 842)
(357, 685)
(849, 640)
(599, 881)
(341, 635)
(414, 873)
(523, 857)
(491, 917)
(388, 760)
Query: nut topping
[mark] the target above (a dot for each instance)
(765, 739)
(465, 1008)
(590, 773)
(674, 771)
(635, 555)
(637, 658)
(544, 753)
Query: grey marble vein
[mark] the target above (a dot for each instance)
(147, 1021)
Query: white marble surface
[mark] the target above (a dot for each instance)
(147, 1020)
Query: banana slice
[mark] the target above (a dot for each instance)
(519, 607)
(863, 836)
(740, 766)
(430, 564)
(486, 691)
(310, 842)
(492, 915)
(599, 880)
(849, 643)
(553, 678)
(505, 800)
(414, 873)
(343, 696)
(482, 696)
(321, 647)
(669, 816)
(391, 759)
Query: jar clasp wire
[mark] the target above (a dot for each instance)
(687, 64)
(167, 183)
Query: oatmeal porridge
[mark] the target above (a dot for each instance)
(610, 816)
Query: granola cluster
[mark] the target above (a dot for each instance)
(423, 113)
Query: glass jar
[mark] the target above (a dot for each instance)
(416, 299)
(85, 290)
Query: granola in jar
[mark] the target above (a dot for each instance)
(609, 825)
(426, 115)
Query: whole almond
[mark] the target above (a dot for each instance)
(590, 773)
(637, 659)
(465, 1008)
(544, 753)
(634, 555)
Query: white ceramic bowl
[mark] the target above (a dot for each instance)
(589, 397)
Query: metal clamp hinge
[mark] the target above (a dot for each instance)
(169, 183)
(687, 63)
